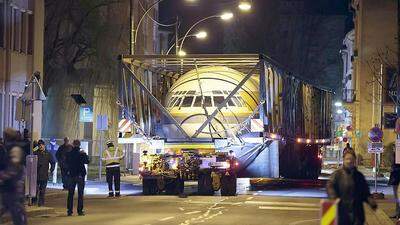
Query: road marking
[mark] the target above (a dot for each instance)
(303, 221)
(167, 218)
(216, 208)
(288, 208)
(249, 198)
(182, 209)
(282, 203)
(193, 212)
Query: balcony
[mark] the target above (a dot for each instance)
(349, 95)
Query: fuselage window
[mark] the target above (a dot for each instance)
(197, 101)
(207, 101)
(187, 101)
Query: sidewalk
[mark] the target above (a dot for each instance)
(31, 211)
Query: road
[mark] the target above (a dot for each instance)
(168, 210)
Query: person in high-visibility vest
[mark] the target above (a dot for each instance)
(112, 157)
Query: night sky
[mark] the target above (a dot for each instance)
(189, 13)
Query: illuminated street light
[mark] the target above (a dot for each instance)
(181, 53)
(338, 104)
(201, 35)
(226, 16)
(244, 5)
(339, 111)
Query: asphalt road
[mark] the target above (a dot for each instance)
(168, 210)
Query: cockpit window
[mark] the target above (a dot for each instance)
(187, 101)
(191, 92)
(218, 100)
(217, 92)
(197, 101)
(207, 101)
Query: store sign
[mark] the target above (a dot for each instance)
(85, 114)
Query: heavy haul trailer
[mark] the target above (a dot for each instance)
(207, 97)
(167, 174)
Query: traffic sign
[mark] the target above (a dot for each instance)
(375, 134)
(375, 147)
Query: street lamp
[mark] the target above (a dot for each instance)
(339, 111)
(224, 16)
(199, 35)
(181, 53)
(338, 104)
(244, 5)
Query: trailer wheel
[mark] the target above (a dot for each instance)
(205, 184)
(171, 186)
(228, 185)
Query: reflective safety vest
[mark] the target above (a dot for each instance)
(112, 156)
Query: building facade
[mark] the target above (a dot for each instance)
(21, 54)
(372, 61)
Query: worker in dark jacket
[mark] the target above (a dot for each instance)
(350, 186)
(61, 156)
(12, 186)
(394, 181)
(44, 160)
(76, 160)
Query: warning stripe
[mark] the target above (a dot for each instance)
(328, 218)
(124, 125)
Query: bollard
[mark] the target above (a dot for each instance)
(329, 212)
(31, 176)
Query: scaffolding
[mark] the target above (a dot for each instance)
(289, 106)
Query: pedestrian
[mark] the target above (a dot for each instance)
(12, 186)
(348, 148)
(61, 159)
(394, 181)
(350, 186)
(44, 160)
(76, 160)
(112, 157)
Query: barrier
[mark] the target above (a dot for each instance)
(329, 212)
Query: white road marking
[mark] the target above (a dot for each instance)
(303, 222)
(182, 209)
(193, 212)
(216, 208)
(288, 208)
(249, 198)
(167, 218)
(299, 204)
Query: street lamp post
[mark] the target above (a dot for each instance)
(199, 35)
(224, 16)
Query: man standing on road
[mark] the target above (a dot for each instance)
(76, 160)
(61, 159)
(394, 181)
(44, 160)
(12, 186)
(112, 157)
(350, 186)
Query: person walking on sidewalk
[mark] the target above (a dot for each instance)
(61, 159)
(12, 186)
(350, 186)
(44, 160)
(394, 181)
(112, 157)
(76, 171)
